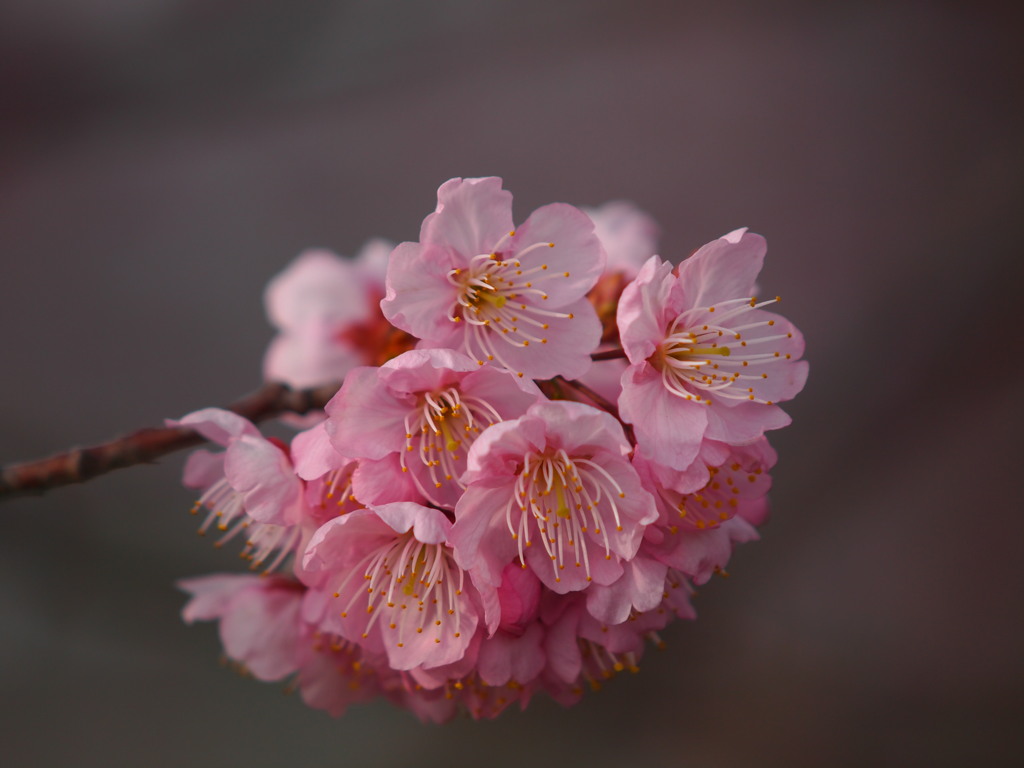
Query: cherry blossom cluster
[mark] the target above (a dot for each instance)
(546, 435)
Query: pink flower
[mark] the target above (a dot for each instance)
(327, 311)
(555, 489)
(259, 619)
(706, 361)
(703, 513)
(396, 586)
(513, 297)
(416, 417)
(251, 487)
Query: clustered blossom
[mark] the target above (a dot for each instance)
(544, 438)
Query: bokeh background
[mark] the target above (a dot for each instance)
(160, 160)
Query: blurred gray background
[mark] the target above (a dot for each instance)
(160, 160)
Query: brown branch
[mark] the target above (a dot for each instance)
(609, 354)
(147, 445)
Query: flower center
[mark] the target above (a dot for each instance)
(499, 299)
(568, 500)
(440, 431)
(704, 353)
(412, 588)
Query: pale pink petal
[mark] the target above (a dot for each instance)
(504, 657)
(260, 470)
(577, 427)
(570, 341)
(573, 265)
(640, 588)
(430, 526)
(215, 424)
(364, 418)
(318, 287)
(500, 447)
(382, 481)
(425, 370)
(480, 540)
(313, 454)
(472, 216)
(724, 269)
(645, 309)
(203, 468)
(211, 595)
(668, 428)
(261, 630)
(419, 295)
(629, 235)
(604, 569)
(745, 422)
(308, 360)
(605, 378)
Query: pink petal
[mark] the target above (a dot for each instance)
(364, 418)
(211, 595)
(259, 469)
(575, 262)
(668, 428)
(419, 295)
(724, 269)
(504, 657)
(313, 454)
(215, 424)
(629, 235)
(428, 525)
(570, 341)
(261, 630)
(645, 309)
(317, 287)
(472, 216)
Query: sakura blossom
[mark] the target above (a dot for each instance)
(250, 488)
(397, 586)
(489, 517)
(420, 413)
(556, 477)
(326, 309)
(706, 361)
(511, 297)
